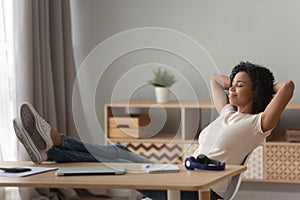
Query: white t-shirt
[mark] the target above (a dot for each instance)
(231, 137)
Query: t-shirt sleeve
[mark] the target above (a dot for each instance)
(227, 108)
(257, 125)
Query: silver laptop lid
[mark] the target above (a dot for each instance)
(90, 170)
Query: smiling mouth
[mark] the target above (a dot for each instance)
(232, 95)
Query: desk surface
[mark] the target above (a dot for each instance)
(133, 179)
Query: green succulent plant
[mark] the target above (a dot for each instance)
(162, 78)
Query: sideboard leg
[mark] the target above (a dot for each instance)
(173, 195)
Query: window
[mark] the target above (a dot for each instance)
(8, 144)
(7, 83)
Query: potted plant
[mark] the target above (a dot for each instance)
(163, 79)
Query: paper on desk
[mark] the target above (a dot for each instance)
(159, 168)
(34, 170)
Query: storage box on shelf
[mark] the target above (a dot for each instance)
(128, 127)
(292, 135)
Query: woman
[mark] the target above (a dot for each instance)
(248, 110)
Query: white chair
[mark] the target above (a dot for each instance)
(235, 182)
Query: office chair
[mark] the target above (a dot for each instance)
(235, 182)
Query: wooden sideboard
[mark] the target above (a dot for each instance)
(174, 140)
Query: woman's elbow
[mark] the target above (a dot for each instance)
(290, 86)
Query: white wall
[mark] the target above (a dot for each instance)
(261, 31)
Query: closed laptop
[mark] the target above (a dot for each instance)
(90, 170)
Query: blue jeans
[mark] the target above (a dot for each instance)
(75, 150)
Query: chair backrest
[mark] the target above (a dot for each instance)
(235, 182)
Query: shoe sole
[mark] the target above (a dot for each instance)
(32, 151)
(30, 125)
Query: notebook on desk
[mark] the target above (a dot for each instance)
(90, 170)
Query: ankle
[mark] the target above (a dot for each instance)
(56, 137)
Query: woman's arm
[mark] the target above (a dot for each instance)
(283, 93)
(219, 83)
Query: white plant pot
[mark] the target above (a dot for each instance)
(162, 94)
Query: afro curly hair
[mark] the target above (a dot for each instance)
(262, 80)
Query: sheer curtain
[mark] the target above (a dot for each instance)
(8, 141)
(7, 88)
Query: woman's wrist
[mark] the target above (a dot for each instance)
(286, 84)
(222, 80)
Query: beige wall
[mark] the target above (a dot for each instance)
(264, 32)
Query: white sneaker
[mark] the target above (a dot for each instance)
(34, 153)
(36, 127)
